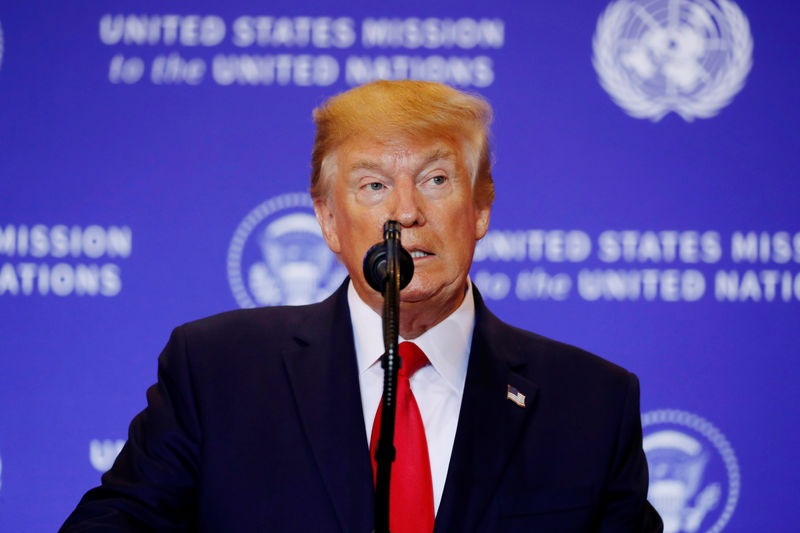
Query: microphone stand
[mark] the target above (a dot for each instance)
(385, 451)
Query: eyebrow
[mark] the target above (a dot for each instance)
(365, 164)
(435, 155)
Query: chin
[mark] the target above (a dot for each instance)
(416, 291)
(409, 295)
(421, 290)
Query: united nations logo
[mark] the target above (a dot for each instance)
(278, 256)
(686, 56)
(694, 475)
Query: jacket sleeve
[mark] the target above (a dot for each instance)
(625, 505)
(152, 485)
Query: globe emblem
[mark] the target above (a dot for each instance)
(694, 475)
(686, 56)
(278, 256)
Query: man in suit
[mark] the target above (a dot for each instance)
(261, 420)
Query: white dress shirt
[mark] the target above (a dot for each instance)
(438, 387)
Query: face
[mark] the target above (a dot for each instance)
(424, 186)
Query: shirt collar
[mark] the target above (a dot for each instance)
(446, 345)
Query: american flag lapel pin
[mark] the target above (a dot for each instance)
(515, 396)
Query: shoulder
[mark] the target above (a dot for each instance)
(244, 322)
(549, 362)
(277, 324)
(547, 353)
(235, 342)
(234, 353)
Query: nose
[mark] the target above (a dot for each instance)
(407, 207)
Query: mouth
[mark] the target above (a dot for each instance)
(419, 254)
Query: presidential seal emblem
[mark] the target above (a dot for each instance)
(103, 453)
(686, 56)
(278, 256)
(694, 475)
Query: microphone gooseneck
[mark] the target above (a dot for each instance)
(388, 267)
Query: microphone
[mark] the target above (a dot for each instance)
(377, 258)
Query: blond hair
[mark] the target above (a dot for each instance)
(417, 109)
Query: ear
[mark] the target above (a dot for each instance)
(327, 222)
(482, 221)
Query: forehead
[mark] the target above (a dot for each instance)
(376, 153)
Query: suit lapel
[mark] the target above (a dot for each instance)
(489, 426)
(324, 378)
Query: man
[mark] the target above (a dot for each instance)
(261, 419)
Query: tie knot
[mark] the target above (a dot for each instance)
(413, 358)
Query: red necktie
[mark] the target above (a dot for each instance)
(411, 496)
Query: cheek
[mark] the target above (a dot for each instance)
(356, 236)
(463, 241)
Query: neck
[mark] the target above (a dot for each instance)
(418, 316)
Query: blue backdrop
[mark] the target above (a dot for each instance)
(154, 160)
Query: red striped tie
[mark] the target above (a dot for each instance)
(411, 499)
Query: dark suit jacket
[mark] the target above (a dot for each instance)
(256, 424)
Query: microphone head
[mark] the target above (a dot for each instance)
(375, 267)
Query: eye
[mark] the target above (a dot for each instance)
(438, 180)
(374, 186)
